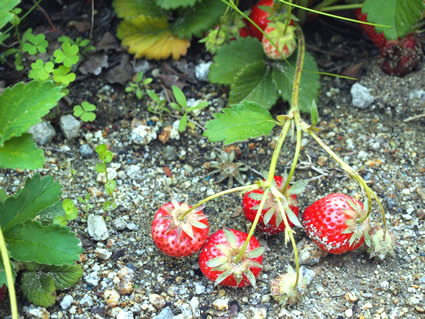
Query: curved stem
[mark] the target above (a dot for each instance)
(227, 191)
(253, 226)
(342, 7)
(295, 160)
(9, 276)
(276, 151)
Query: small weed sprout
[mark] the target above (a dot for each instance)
(226, 168)
(110, 185)
(71, 212)
(85, 111)
(86, 202)
(157, 105)
(138, 85)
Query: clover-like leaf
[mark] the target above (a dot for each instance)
(239, 122)
(62, 75)
(85, 111)
(34, 43)
(40, 70)
(400, 15)
(151, 38)
(68, 56)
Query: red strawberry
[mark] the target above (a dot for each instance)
(331, 222)
(217, 259)
(399, 57)
(259, 16)
(285, 42)
(377, 38)
(270, 221)
(175, 237)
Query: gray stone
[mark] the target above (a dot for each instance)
(199, 288)
(42, 133)
(165, 313)
(86, 301)
(70, 126)
(169, 153)
(86, 151)
(119, 223)
(92, 278)
(143, 134)
(96, 227)
(202, 70)
(125, 315)
(361, 96)
(133, 172)
(66, 302)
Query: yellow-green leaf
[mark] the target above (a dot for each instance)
(151, 38)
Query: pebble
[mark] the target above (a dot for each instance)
(69, 126)
(37, 312)
(125, 282)
(202, 70)
(348, 313)
(143, 134)
(157, 301)
(165, 313)
(66, 302)
(221, 304)
(361, 97)
(133, 172)
(132, 226)
(103, 253)
(169, 153)
(199, 289)
(86, 301)
(96, 227)
(125, 315)
(119, 223)
(92, 278)
(42, 133)
(85, 151)
(112, 297)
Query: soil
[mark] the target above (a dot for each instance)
(384, 142)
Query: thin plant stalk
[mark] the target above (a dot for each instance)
(9, 276)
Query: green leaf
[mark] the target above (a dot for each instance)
(5, 8)
(21, 152)
(298, 187)
(240, 122)
(232, 57)
(254, 83)
(38, 289)
(400, 15)
(132, 8)
(47, 215)
(3, 195)
(100, 167)
(173, 4)
(24, 105)
(197, 19)
(60, 220)
(40, 71)
(37, 194)
(52, 245)
(35, 43)
(68, 55)
(314, 113)
(61, 75)
(179, 95)
(71, 212)
(183, 122)
(283, 77)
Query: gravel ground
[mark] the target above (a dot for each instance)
(125, 275)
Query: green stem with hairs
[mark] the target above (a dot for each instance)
(227, 191)
(9, 276)
(294, 161)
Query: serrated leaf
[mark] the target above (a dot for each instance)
(37, 194)
(173, 4)
(253, 83)
(21, 152)
(194, 20)
(5, 8)
(400, 15)
(283, 77)
(24, 105)
(52, 245)
(132, 8)
(232, 57)
(239, 122)
(39, 290)
(151, 38)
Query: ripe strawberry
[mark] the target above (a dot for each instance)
(271, 221)
(259, 16)
(217, 259)
(399, 57)
(377, 38)
(285, 42)
(331, 222)
(175, 237)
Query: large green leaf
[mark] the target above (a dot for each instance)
(46, 216)
(5, 8)
(239, 122)
(201, 17)
(283, 77)
(173, 4)
(132, 8)
(21, 152)
(51, 245)
(400, 15)
(36, 281)
(232, 57)
(3, 195)
(24, 105)
(254, 83)
(38, 194)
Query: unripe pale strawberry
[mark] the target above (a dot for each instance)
(285, 42)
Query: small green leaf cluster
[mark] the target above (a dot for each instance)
(85, 111)
(138, 85)
(181, 106)
(37, 239)
(157, 105)
(106, 156)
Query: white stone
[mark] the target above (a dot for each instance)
(96, 227)
(66, 302)
(70, 126)
(361, 96)
(42, 133)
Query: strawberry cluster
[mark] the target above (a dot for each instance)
(398, 57)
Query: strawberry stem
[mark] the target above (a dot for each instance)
(227, 191)
(295, 160)
(9, 276)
